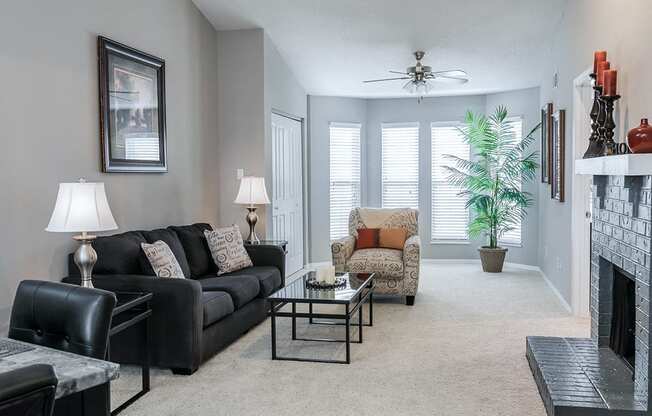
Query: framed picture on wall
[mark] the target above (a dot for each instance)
(546, 142)
(558, 154)
(132, 109)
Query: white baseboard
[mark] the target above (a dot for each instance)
(552, 287)
(477, 261)
(563, 302)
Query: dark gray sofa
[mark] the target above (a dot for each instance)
(192, 319)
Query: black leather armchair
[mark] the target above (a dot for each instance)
(62, 316)
(28, 391)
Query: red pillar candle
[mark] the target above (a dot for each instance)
(598, 56)
(602, 66)
(609, 78)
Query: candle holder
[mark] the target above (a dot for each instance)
(610, 146)
(596, 144)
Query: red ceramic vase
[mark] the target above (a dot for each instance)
(639, 138)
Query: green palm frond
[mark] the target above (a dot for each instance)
(492, 180)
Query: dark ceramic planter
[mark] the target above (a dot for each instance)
(492, 259)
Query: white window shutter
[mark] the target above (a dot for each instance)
(400, 165)
(450, 217)
(344, 176)
(513, 237)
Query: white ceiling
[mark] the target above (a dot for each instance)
(333, 45)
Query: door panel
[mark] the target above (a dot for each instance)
(287, 192)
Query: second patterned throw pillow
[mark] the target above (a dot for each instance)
(227, 249)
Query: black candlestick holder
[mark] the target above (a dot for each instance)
(596, 141)
(610, 146)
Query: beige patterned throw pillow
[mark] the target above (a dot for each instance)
(227, 249)
(162, 259)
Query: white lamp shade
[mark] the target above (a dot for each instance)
(252, 191)
(81, 207)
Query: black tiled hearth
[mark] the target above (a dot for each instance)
(577, 378)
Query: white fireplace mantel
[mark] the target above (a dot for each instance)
(620, 165)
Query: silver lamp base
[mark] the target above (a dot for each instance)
(252, 219)
(85, 258)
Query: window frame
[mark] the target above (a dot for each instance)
(403, 124)
(343, 124)
(512, 119)
(433, 240)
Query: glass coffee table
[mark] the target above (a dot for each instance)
(355, 291)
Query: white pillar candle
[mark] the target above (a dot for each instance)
(331, 274)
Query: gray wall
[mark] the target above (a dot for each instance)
(372, 113)
(49, 119)
(253, 80)
(324, 110)
(240, 117)
(573, 41)
(283, 94)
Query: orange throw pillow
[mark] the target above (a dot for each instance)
(367, 238)
(392, 238)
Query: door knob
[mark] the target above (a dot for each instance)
(587, 214)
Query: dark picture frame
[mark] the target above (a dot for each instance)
(132, 109)
(558, 155)
(546, 143)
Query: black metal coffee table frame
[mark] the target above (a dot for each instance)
(351, 307)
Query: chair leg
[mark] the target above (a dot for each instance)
(409, 300)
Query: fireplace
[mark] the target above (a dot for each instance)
(623, 316)
(608, 373)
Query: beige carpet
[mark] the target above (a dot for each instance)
(458, 351)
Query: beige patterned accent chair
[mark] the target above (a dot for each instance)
(397, 271)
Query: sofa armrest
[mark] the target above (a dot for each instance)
(341, 251)
(268, 255)
(177, 315)
(411, 260)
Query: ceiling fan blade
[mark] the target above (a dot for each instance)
(385, 79)
(399, 72)
(449, 77)
(455, 73)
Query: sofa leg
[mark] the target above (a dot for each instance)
(182, 371)
(409, 300)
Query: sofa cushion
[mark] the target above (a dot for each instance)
(386, 262)
(170, 238)
(196, 248)
(119, 253)
(242, 289)
(216, 305)
(269, 278)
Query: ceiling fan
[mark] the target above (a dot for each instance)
(420, 76)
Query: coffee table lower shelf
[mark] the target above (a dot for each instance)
(333, 319)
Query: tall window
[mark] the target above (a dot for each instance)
(514, 236)
(450, 217)
(344, 175)
(400, 165)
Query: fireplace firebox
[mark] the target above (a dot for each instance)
(623, 316)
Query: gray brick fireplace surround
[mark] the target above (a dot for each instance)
(584, 376)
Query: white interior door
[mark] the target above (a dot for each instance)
(582, 198)
(287, 188)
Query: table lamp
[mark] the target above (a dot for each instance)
(252, 192)
(82, 207)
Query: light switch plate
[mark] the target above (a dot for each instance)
(239, 173)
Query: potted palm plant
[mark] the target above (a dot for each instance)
(492, 180)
